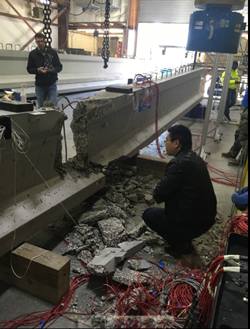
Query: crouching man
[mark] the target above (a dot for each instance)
(187, 190)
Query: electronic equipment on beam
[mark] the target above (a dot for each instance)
(16, 106)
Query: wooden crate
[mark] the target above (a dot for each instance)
(48, 274)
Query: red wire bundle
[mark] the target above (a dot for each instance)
(240, 224)
(45, 317)
(222, 177)
(207, 295)
(180, 300)
(137, 299)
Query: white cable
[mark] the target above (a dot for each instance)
(20, 138)
(2, 130)
(28, 267)
(232, 257)
(232, 269)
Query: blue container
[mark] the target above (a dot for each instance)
(216, 29)
(17, 96)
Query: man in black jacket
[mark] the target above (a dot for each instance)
(45, 64)
(187, 190)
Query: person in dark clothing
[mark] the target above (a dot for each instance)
(45, 64)
(240, 145)
(187, 190)
(232, 90)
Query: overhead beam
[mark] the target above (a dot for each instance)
(19, 15)
(55, 18)
(63, 25)
(26, 18)
(96, 25)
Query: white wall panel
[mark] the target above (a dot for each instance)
(166, 11)
(15, 32)
(171, 11)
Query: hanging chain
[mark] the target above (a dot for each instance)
(47, 24)
(106, 25)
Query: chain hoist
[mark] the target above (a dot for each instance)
(106, 25)
(47, 24)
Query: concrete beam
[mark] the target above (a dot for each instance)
(76, 69)
(113, 126)
(38, 207)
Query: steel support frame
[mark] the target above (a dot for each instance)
(226, 83)
(18, 13)
(63, 25)
(21, 18)
(52, 21)
(209, 106)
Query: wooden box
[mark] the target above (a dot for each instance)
(43, 273)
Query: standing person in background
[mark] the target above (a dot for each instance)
(232, 90)
(45, 64)
(241, 137)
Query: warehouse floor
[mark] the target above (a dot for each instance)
(14, 302)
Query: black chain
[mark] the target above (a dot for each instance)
(47, 23)
(106, 25)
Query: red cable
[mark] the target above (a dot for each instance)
(34, 319)
(240, 224)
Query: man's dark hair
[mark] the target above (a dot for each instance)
(39, 35)
(183, 134)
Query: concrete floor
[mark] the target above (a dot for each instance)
(14, 302)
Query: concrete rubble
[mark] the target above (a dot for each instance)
(114, 218)
(131, 247)
(128, 277)
(108, 259)
(138, 230)
(139, 265)
(84, 237)
(112, 231)
(114, 321)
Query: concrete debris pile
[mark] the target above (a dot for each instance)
(115, 321)
(128, 189)
(106, 225)
(139, 265)
(129, 277)
(84, 237)
(108, 259)
(112, 231)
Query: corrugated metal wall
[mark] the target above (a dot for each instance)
(170, 11)
(166, 11)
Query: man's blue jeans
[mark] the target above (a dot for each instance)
(231, 101)
(46, 93)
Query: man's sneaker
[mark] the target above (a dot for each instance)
(227, 155)
(234, 163)
(227, 119)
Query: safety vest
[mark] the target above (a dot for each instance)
(234, 77)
